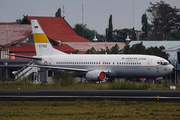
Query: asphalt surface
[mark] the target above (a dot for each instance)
(70, 95)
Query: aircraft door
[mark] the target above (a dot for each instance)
(148, 65)
(50, 61)
(99, 63)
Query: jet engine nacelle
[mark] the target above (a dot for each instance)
(95, 75)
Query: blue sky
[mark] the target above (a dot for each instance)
(96, 12)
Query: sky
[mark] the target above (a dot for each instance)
(95, 12)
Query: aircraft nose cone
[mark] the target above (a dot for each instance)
(171, 69)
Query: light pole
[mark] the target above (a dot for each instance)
(175, 59)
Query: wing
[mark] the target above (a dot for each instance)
(60, 68)
(65, 68)
(79, 72)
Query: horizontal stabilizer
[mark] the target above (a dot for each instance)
(29, 57)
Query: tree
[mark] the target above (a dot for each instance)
(76, 51)
(101, 52)
(157, 52)
(18, 21)
(132, 33)
(115, 49)
(145, 26)
(78, 28)
(121, 34)
(91, 51)
(174, 35)
(141, 49)
(109, 30)
(164, 19)
(88, 34)
(58, 13)
(138, 48)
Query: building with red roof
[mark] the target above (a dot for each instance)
(11, 23)
(19, 40)
(13, 33)
(83, 47)
(56, 28)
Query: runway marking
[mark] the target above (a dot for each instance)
(155, 97)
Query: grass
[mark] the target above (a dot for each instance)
(88, 110)
(129, 85)
(64, 80)
(86, 86)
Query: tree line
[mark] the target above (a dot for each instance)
(159, 22)
(156, 11)
(141, 49)
(138, 48)
(113, 50)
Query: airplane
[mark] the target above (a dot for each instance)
(96, 67)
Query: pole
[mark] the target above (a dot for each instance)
(82, 21)
(175, 67)
(133, 14)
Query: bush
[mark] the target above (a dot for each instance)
(64, 78)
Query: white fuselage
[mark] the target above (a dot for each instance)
(119, 65)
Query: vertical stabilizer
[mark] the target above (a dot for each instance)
(42, 45)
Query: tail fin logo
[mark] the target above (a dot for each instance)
(35, 26)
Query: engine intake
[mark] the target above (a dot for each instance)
(95, 75)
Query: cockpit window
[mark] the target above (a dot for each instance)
(163, 63)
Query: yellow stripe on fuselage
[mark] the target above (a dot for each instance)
(40, 38)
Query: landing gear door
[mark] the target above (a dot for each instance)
(148, 65)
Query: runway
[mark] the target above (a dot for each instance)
(70, 95)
